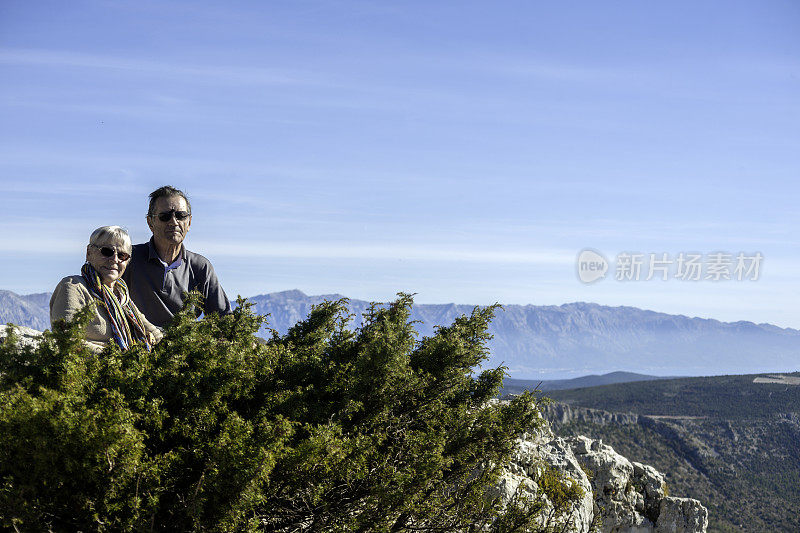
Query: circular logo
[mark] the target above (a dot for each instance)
(592, 265)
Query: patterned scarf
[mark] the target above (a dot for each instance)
(126, 323)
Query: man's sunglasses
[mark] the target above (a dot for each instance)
(167, 215)
(107, 251)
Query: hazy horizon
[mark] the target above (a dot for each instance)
(475, 304)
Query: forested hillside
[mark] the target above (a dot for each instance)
(726, 440)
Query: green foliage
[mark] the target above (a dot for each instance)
(323, 429)
(562, 492)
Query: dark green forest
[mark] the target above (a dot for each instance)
(727, 397)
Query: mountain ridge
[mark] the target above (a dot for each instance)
(516, 386)
(554, 341)
(336, 296)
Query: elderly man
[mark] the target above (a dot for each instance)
(162, 270)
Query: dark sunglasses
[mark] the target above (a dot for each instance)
(107, 251)
(167, 215)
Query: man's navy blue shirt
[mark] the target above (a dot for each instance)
(157, 289)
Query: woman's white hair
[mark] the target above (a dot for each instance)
(111, 234)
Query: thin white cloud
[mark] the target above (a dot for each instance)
(224, 74)
(548, 70)
(60, 188)
(400, 251)
(28, 155)
(153, 110)
(41, 246)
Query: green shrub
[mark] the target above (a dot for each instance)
(322, 429)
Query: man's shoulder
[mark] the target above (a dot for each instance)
(196, 259)
(205, 277)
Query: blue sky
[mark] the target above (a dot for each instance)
(464, 151)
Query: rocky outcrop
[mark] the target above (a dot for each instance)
(536, 455)
(560, 413)
(681, 514)
(632, 497)
(619, 496)
(25, 336)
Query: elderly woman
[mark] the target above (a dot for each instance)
(116, 319)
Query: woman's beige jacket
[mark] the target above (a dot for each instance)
(72, 294)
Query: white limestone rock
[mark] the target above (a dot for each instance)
(536, 453)
(26, 336)
(631, 497)
(621, 497)
(681, 515)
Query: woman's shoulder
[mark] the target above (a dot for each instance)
(72, 282)
(71, 287)
(70, 294)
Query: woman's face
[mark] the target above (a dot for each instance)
(110, 266)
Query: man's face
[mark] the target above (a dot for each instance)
(172, 231)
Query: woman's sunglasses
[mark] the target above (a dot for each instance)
(167, 215)
(107, 251)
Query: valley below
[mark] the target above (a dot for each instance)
(732, 442)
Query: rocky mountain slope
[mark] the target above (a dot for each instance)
(581, 338)
(31, 310)
(563, 341)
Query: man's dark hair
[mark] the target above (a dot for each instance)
(167, 191)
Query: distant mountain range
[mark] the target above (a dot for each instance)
(32, 310)
(517, 386)
(553, 342)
